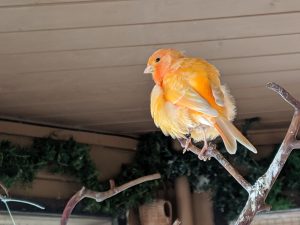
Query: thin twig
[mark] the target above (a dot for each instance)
(101, 196)
(284, 94)
(22, 201)
(5, 200)
(9, 213)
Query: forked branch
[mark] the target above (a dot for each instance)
(261, 188)
(101, 196)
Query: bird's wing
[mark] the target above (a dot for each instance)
(205, 79)
(195, 84)
(179, 92)
(218, 94)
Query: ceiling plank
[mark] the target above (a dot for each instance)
(33, 43)
(255, 105)
(82, 80)
(279, 117)
(107, 13)
(13, 64)
(242, 94)
(144, 116)
(134, 115)
(22, 3)
(257, 64)
(147, 126)
(268, 117)
(72, 93)
(139, 114)
(282, 77)
(251, 105)
(88, 78)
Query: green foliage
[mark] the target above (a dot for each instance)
(21, 164)
(287, 185)
(16, 164)
(276, 198)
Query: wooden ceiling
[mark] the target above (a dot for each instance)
(79, 63)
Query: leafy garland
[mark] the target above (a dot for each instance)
(155, 154)
(21, 164)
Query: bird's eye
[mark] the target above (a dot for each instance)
(157, 59)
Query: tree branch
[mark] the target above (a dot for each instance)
(284, 94)
(296, 144)
(101, 196)
(262, 187)
(212, 152)
(260, 190)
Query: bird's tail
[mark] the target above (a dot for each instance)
(230, 134)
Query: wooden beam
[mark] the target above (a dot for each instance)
(28, 130)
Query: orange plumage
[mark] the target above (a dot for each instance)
(189, 100)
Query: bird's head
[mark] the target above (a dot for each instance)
(160, 61)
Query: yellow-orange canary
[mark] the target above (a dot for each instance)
(188, 100)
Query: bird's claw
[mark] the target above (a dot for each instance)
(204, 153)
(186, 145)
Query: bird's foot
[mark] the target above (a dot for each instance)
(205, 152)
(185, 143)
(202, 155)
(186, 146)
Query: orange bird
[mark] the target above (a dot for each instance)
(189, 102)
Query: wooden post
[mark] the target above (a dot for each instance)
(184, 201)
(203, 208)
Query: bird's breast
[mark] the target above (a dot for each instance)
(171, 119)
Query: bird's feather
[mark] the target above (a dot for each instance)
(172, 120)
(235, 133)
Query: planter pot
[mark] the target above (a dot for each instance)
(158, 212)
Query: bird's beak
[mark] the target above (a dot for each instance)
(149, 69)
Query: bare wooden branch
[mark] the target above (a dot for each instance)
(212, 152)
(284, 94)
(101, 196)
(260, 190)
(262, 187)
(296, 144)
